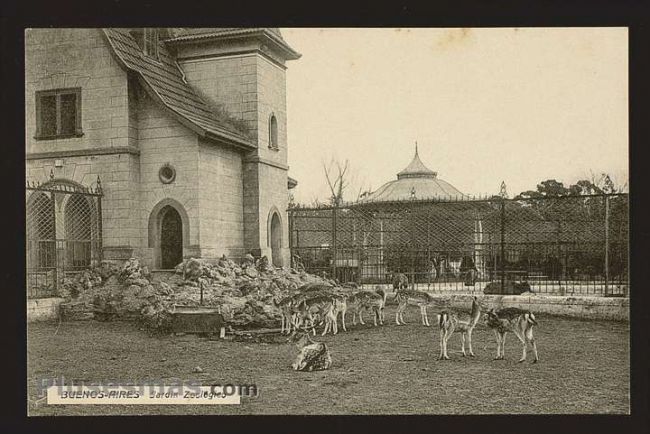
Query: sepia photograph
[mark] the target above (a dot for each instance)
(327, 221)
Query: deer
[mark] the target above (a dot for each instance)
(400, 281)
(287, 313)
(288, 306)
(518, 321)
(368, 300)
(326, 306)
(406, 297)
(339, 305)
(312, 356)
(461, 322)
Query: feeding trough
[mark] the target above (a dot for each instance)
(197, 319)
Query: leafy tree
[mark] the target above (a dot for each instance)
(529, 194)
(603, 184)
(584, 187)
(552, 188)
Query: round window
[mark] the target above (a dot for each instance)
(167, 174)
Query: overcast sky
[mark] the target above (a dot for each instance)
(485, 105)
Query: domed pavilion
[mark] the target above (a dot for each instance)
(412, 224)
(417, 182)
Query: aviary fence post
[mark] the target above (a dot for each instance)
(100, 227)
(502, 264)
(334, 242)
(558, 250)
(412, 250)
(55, 250)
(607, 245)
(99, 246)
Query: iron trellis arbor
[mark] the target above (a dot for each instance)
(64, 232)
(568, 245)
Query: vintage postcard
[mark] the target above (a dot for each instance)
(327, 221)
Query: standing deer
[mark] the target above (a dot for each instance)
(368, 300)
(400, 281)
(285, 306)
(461, 322)
(518, 321)
(406, 297)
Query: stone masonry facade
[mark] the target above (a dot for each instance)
(225, 195)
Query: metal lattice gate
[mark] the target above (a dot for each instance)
(64, 233)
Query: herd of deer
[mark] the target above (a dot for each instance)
(318, 304)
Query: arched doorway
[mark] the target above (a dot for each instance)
(78, 232)
(171, 237)
(276, 239)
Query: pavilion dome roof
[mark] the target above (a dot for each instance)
(417, 182)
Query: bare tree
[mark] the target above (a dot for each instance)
(337, 176)
(609, 183)
(342, 181)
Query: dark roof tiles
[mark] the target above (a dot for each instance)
(165, 79)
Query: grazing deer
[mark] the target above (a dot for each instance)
(326, 307)
(461, 322)
(289, 306)
(312, 356)
(368, 300)
(406, 297)
(518, 321)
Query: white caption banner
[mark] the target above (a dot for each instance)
(147, 395)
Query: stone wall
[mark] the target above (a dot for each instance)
(251, 88)
(227, 82)
(220, 201)
(43, 309)
(273, 193)
(271, 100)
(163, 140)
(585, 307)
(227, 197)
(118, 174)
(273, 198)
(70, 58)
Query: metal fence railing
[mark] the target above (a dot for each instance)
(64, 228)
(557, 245)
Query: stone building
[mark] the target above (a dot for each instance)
(183, 129)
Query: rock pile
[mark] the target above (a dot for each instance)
(242, 293)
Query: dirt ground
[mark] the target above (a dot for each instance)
(583, 368)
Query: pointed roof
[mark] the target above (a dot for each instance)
(416, 169)
(415, 182)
